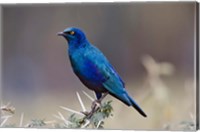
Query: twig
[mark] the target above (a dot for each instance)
(88, 117)
(8, 108)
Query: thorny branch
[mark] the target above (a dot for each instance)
(94, 117)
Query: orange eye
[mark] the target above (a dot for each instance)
(71, 33)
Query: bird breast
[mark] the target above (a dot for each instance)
(87, 71)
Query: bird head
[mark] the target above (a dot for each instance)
(74, 36)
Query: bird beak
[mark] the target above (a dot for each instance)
(60, 33)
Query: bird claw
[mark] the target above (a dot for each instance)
(96, 103)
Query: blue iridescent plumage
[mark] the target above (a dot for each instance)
(93, 68)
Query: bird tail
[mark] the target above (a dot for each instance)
(136, 106)
(125, 98)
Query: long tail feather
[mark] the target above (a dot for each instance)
(125, 98)
(136, 106)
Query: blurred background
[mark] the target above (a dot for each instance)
(151, 45)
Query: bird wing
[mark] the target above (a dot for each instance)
(115, 86)
(104, 69)
(109, 78)
(113, 83)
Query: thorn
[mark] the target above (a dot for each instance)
(6, 116)
(70, 110)
(21, 120)
(63, 118)
(4, 121)
(87, 122)
(92, 99)
(99, 123)
(56, 117)
(81, 102)
(50, 122)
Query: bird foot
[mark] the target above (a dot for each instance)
(87, 114)
(96, 104)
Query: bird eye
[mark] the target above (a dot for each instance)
(71, 32)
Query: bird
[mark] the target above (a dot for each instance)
(94, 70)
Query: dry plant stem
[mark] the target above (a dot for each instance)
(95, 106)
